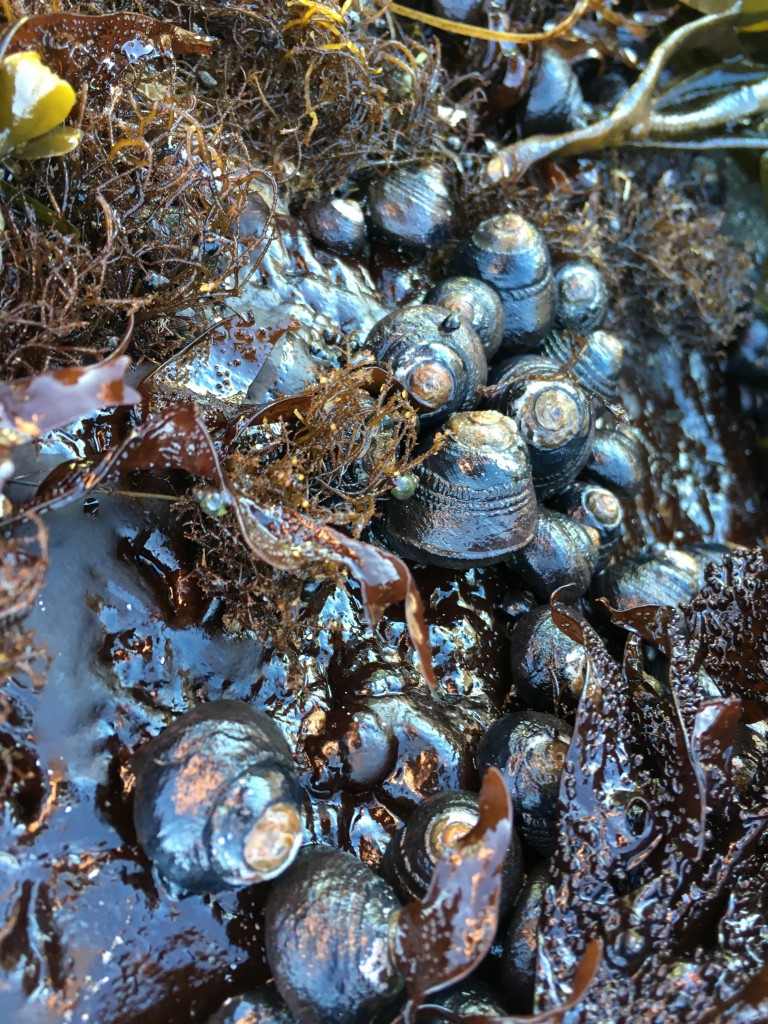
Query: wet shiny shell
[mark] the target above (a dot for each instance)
(617, 461)
(217, 800)
(596, 507)
(475, 302)
(518, 963)
(291, 365)
(561, 553)
(671, 577)
(261, 1006)
(529, 749)
(411, 207)
(434, 829)
(468, 11)
(582, 297)
(327, 928)
(595, 360)
(475, 503)
(509, 253)
(337, 224)
(555, 102)
(435, 354)
(547, 667)
(554, 417)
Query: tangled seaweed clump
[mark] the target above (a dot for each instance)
(200, 457)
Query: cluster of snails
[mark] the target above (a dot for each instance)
(531, 470)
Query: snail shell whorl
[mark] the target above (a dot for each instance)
(475, 503)
(508, 252)
(475, 302)
(595, 361)
(217, 799)
(435, 354)
(327, 929)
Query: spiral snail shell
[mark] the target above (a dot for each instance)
(475, 503)
(337, 224)
(595, 360)
(217, 800)
(411, 207)
(435, 354)
(477, 303)
(529, 749)
(508, 252)
(582, 297)
(327, 931)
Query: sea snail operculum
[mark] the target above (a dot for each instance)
(554, 417)
(529, 749)
(594, 360)
(217, 799)
(435, 829)
(337, 224)
(475, 503)
(327, 930)
(435, 354)
(411, 207)
(509, 253)
(477, 303)
(582, 297)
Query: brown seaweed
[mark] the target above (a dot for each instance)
(277, 534)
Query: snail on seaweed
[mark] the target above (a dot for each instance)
(555, 102)
(670, 577)
(434, 829)
(327, 928)
(435, 354)
(554, 417)
(529, 749)
(477, 303)
(582, 297)
(475, 503)
(217, 799)
(411, 207)
(509, 253)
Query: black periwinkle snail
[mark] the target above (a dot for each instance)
(547, 667)
(260, 1006)
(411, 207)
(555, 102)
(435, 828)
(518, 962)
(617, 461)
(475, 503)
(561, 553)
(337, 224)
(477, 303)
(435, 354)
(509, 253)
(554, 417)
(669, 577)
(217, 799)
(595, 507)
(328, 924)
(595, 360)
(582, 296)
(529, 749)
